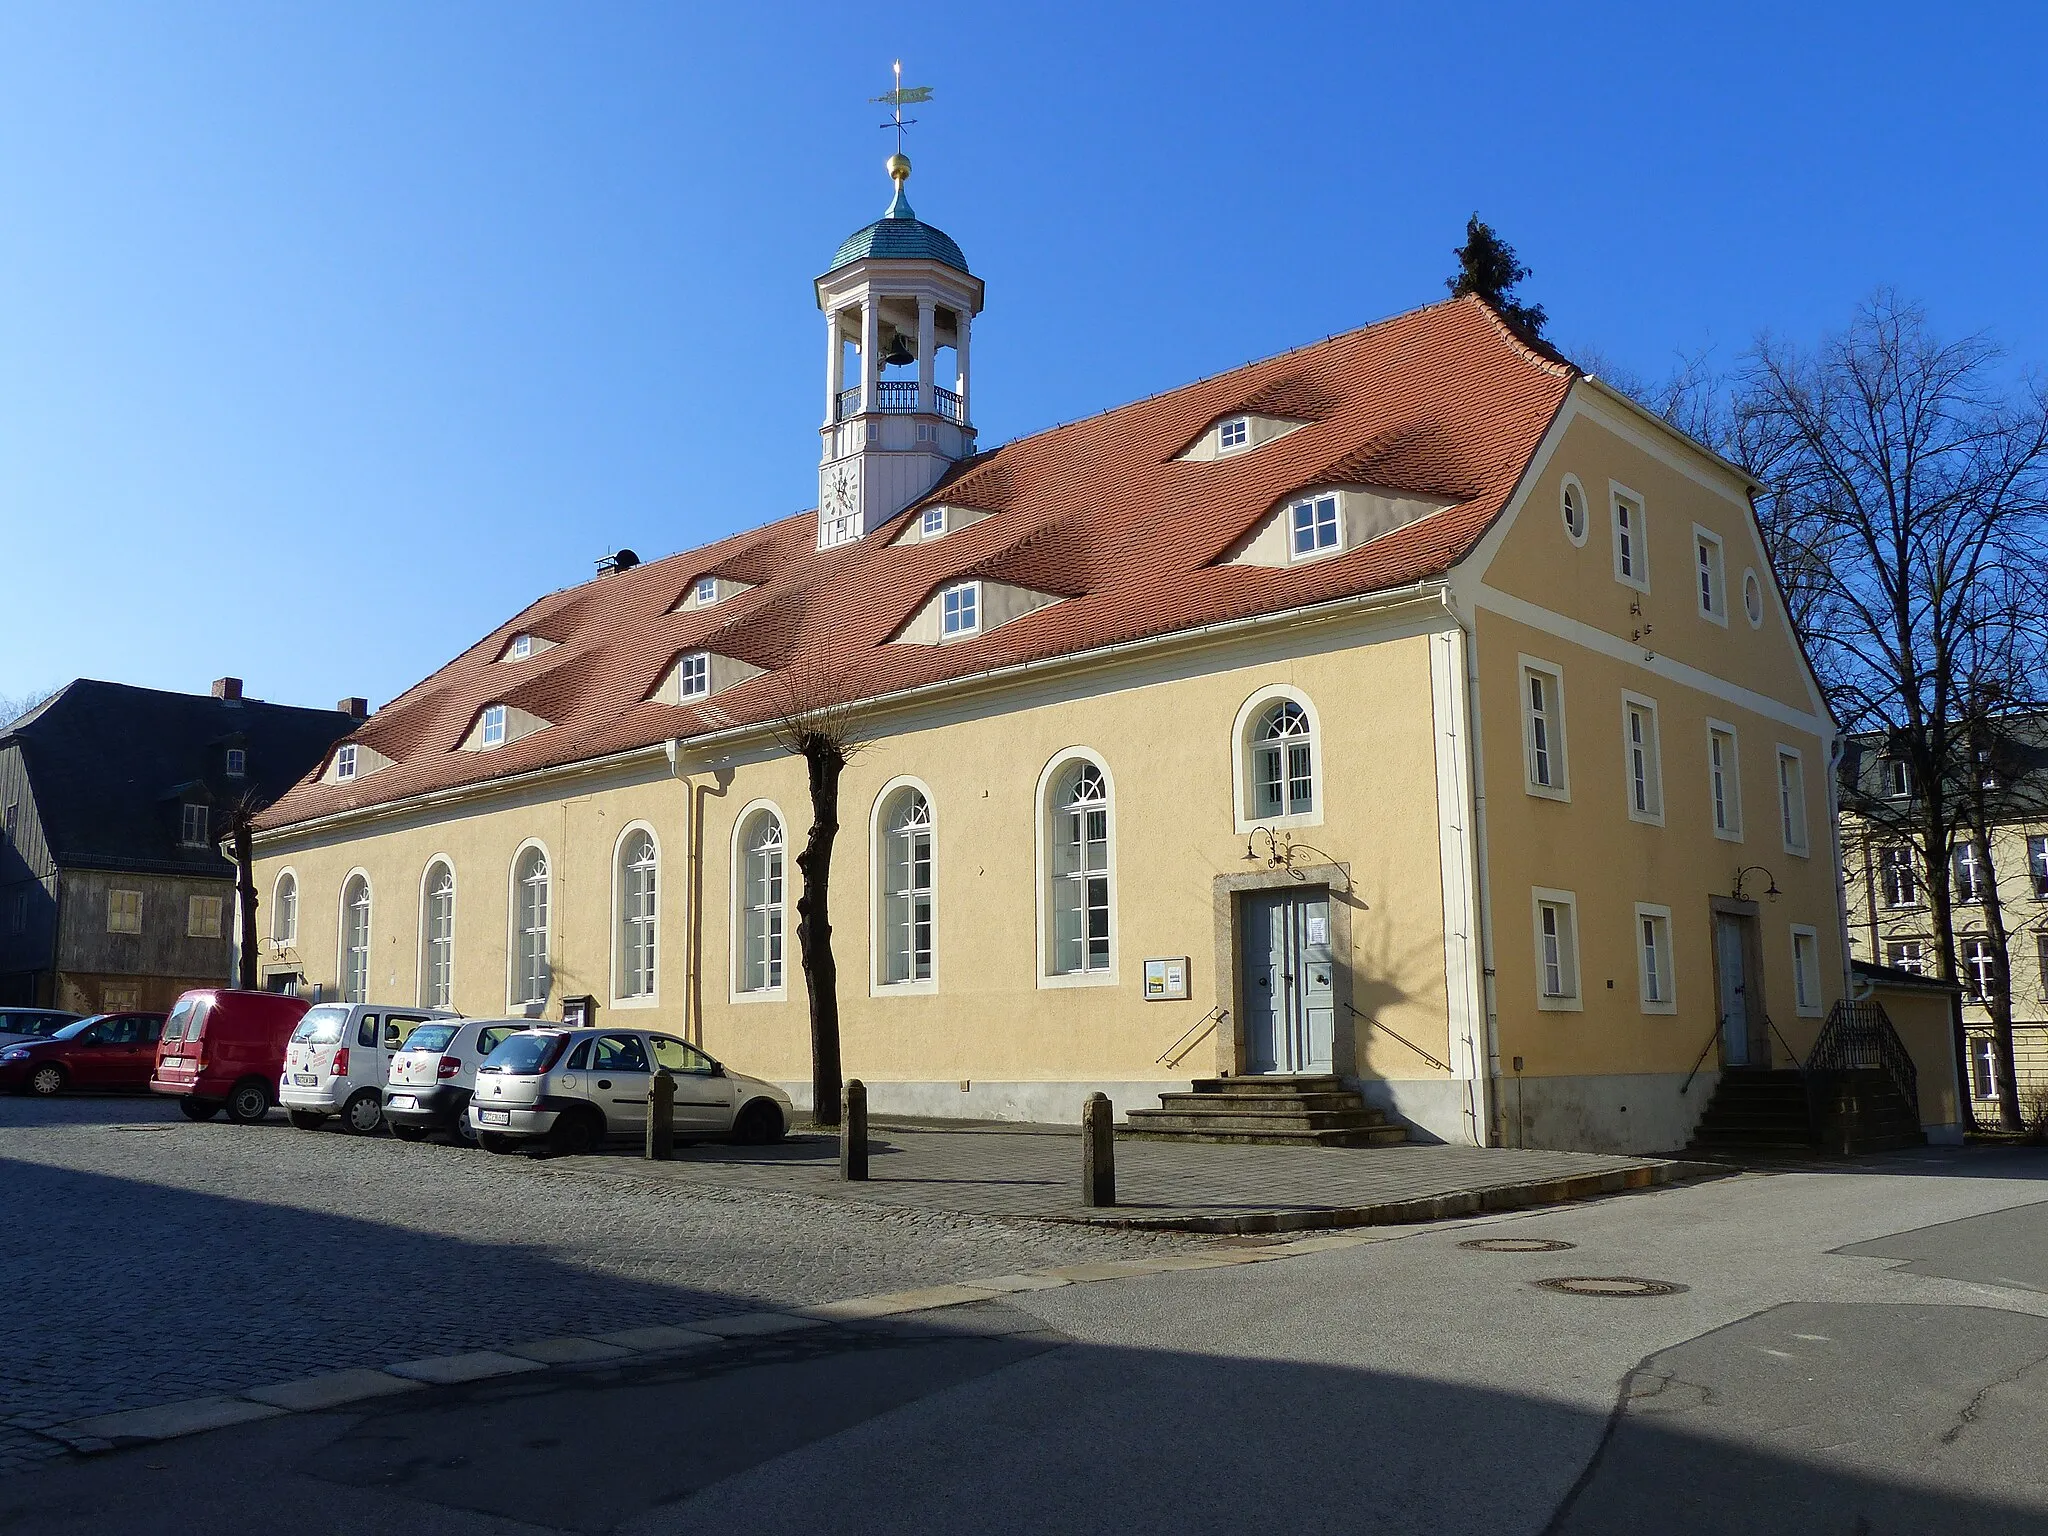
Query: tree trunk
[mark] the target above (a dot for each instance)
(245, 898)
(1935, 826)
(824, 758)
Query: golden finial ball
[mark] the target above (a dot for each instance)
(899, 167)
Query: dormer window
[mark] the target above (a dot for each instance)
(522, 647)
(345, 763)
(494, 725)
(1233, 434)
(238, 762)
(960, 610)
(192, 827)
(1899, 779)
(1314, 526)
(934, 522)
(693, 676)
(707, 591)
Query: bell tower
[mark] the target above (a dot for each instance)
(897, 299)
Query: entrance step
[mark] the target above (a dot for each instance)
(1313, 1110)
(1774, 1111)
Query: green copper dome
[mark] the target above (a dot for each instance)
(899, 235)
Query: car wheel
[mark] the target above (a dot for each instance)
(199, 1109)
(464, 1132)
(45, 1081)
(575, 1134)
(491, 1141)
(408, 1132)
(306, 1119)
(249, 1102)
(759, 1124)
(364, 1113)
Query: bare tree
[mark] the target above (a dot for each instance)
(820, 725)
(14, 706)
(237, 839)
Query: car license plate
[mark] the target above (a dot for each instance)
(306, 1079)
(171, 1064)
(494, 1116)
(404, 1101)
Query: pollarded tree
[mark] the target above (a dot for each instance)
(1487, 266)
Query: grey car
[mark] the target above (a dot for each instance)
(570, 1090)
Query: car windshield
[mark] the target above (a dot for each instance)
(321, 1026)
(523, 1053)
(73, 1031)
(187, 1018)
(42, 1025)
(430, 1037)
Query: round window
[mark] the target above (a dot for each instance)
(1753, 599)
(1574, 512)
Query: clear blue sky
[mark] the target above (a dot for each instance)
(399, 315)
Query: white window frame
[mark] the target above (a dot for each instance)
(1752, 588)
(495, 716)
(1569, 492)
(196, 909)
(932, 524)
(1049, 777)
(1976, 987)
(1566, 902)
(1724, 787)
(1557, 746)
(623, 920)
(345, 763)
(423, 988)
(520, 649)
(1652, 940)
(2037, 866)
(1317, 550)
(343, 950)
(1244, 424)
(1967, 856)
(693, 676)
(737, 896)
(1898, 779)
(1640, 706)
(961, 600)
(1911, 865)
(1919, 963)
(192, 820)
(282, 936)
(2041, 962)
(237, 762)
(1984, 1068)
(1244, 766)
(880, 932)
(1637, 575)
(1806, 988)
(705, 592)
(1796, 831)
(1713, 600)
(121, 922)
(516, 1003)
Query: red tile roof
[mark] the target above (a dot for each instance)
(1443, 401)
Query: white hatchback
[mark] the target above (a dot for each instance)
(432, 1077)
(338, 1059)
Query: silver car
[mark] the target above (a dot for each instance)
(570, 1090)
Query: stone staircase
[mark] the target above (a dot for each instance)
(1265, 1111)
(1755, 1112)
(1772, 1112)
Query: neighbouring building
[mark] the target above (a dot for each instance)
(1892, 924)
(113, 891)
(1411, 707)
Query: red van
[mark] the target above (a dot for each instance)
(225, 1049)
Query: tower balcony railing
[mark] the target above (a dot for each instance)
(947, 404)
(900, 397)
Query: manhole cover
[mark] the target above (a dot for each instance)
(1517, 1245)
(1612, 1285)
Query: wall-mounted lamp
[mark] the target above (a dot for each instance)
(1745, 872)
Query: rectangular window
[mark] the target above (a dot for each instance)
(13, 815)
(1806, 971)
(707, 590)
(1543, 747)
(202, 917)
(1557, 950)
(1724, 781)
(1792, 799)
(2037, 866)
(494, 726)
(1234, 433)
(1713, 582)
(192, 826)
(1906, 955)
(345, 763)
(124, 911)
(1631, 548)
(522, 647)
(934, 522)
(1970, 883)
(1984, 1067)
(1653, 957)
(1898, 778)
(1897, 877)
(2041, 961)
(238, 763)
(1643, 761)
(1980, 970)
(1315, 525)
(693, 676)
(960, 609)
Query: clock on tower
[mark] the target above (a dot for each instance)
(839, 517)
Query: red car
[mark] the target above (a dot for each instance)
(107, 1051)
(224, 1049)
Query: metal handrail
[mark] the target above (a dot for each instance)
(849, 402)
(1213, 1017)
(1860, 1035)
(1797, 1064)
(1418, 1050)
(895, 394)
(947, 404)
(1701, 1059)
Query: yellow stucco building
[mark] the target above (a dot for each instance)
(1410, 707)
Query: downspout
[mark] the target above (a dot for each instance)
(1475, 757)
(693, 906)
(1836, 747)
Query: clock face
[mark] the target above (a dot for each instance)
(840, 490)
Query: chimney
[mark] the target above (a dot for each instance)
(228, 689)
(355, 709)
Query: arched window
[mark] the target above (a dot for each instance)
(530, 975)
(355, 939)
(437, 936)
(636, 888)
(1079, 897)
(906, 862)
(761, 901)
(1283, 761)
(284, 910)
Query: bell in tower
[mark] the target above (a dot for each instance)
(898, 299)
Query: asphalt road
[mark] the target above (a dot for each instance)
(1863, 1351)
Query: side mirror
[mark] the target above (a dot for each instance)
(717, 1070)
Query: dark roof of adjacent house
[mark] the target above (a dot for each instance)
(2009, 752)
(1893, 976)
(111, 765)
(1444, 402)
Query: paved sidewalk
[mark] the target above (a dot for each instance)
(1034, 1171)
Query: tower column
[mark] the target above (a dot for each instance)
(927, 343)
(870, 350)
(835, 368)
(960, 388)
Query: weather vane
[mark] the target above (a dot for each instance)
(899, 97)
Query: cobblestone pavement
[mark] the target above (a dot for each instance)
(145, 1259)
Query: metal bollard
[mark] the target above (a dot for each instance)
(853, 1131)
(1098, 1150)
(661, 1117)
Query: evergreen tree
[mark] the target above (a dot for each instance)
(1487, 267)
